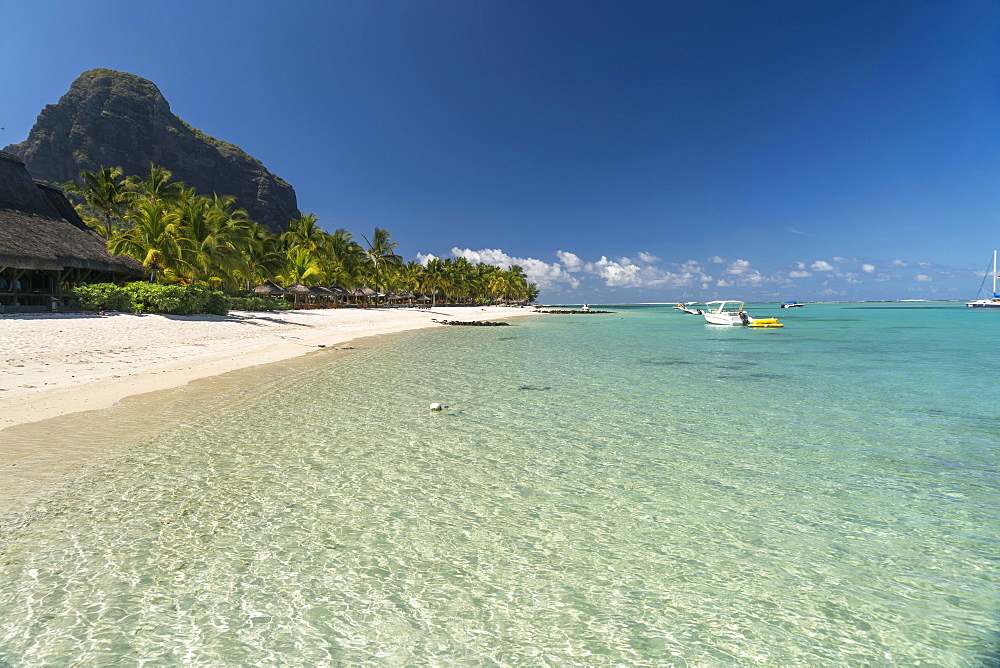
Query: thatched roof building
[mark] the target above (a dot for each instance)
(44, 244)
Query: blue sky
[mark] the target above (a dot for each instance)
(619, 151)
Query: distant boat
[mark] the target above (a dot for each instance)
(688, 308)
(993, 302)
(791, 304)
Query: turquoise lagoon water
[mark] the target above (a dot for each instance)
(631, 489)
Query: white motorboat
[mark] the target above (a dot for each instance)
(726, 312)
(791, 304)
(994, 301)
(689, 308)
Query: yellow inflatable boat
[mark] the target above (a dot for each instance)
(765, 323)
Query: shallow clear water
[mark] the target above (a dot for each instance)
(629, 489)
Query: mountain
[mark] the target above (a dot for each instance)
(115, 119)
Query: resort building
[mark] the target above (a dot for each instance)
(45, 248)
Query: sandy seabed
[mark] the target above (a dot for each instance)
(57, 364)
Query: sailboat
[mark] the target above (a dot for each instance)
(994, 301)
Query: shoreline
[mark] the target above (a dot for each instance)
(60, 364)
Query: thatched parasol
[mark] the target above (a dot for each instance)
(322, 293)
(269, 288)
(297, 290)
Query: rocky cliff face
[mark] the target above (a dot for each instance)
(114, 119)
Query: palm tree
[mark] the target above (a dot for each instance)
(509, 284)
(380, 252)
(340, 258)
(518, 281)
(214, 234)
(158, 186)
(481, 280)
(305, 232)
(154, 239)
(106, 192)
(463, 277)
(434, 277)
(259, 257)
(499, 286)
(301, 266)
(236, 231)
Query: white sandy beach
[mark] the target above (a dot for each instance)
(56, 364)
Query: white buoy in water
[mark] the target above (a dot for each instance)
(436, 406)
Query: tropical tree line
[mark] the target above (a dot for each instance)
(182, 237)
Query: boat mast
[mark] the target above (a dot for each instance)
(995, 295)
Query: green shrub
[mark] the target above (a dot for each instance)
(102, 297)
(149, 298)
(154, 298)
(178, 299)
(217, 303)
(259, 304)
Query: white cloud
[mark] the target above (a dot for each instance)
(617, 274)
(566, 271)
(570, 261)
(547, 275)
(620, 272)
(794, 231)
(625, 274)
(738, 267)
(742, 273)
(493, 256)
